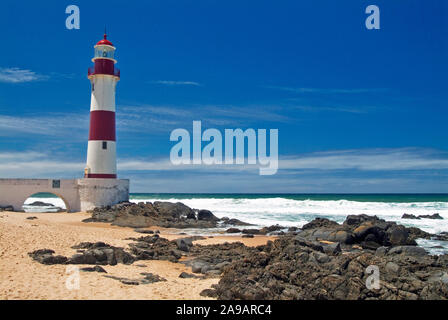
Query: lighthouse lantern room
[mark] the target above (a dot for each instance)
(103, 76)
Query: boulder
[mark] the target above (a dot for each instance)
(207, 215)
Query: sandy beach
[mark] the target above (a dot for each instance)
(23, 278)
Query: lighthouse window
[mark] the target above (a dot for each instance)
(104, 145)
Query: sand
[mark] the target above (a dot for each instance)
(23, 278)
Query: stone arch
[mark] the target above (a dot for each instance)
(60, 196)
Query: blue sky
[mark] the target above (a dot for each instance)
(357, 110)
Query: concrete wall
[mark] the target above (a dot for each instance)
(78, 194)
(102, 192)
(14, 192)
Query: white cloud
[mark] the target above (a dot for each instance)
(177, 83)
(369, 160)
(17, 75)
(328, 90)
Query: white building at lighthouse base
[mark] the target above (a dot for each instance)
(77, 194)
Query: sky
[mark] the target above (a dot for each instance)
(357, 110)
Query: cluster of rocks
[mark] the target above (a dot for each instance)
(369, 232)
(422, 216)
(98, 253)
(293, 268)
(6, 208)
(162, 214)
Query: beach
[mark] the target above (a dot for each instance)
(23, 278)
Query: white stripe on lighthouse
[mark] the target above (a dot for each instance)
(99, 160)
(103, 93)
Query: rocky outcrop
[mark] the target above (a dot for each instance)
(162, 214)
(368, 231)
(294, 268)
(6, 208)
(424, 216)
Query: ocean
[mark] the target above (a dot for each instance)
(298, 209)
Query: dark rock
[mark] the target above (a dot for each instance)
(320, 223)
(162, 214)
(247, 236)
(7, 208)
(250, 231)
(94, 269)
(432, 216)
(146, 231)
(40, 204)
(207, 215)
(147, 279)
(185, 275)
(45, 256)
(31, 218)
(409, 216)
(408, 250)
(208, 293)
(233, 230)
(270, 229)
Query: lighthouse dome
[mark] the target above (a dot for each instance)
(104, 41)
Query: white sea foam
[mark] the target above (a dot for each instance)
(288, 212)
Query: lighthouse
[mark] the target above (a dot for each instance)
(100, 186)
(103, 76)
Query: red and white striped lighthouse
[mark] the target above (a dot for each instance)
(101, 151)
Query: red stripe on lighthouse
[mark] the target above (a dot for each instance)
(101, 176)
(102, 125)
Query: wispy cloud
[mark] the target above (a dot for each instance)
(309, 108)
(328, 90)
(47, 124)
(17, 75)
(361, 170)
(370, 160)
(177, 83)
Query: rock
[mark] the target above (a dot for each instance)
(433, 216)
(185, 275)
(208, 293)
(100, 253)
(250, 231)
(40, 204)
(381, 251)
(31, 218)
(233, 230)
(392, 267)
(147, 279)
(162, 214)
(207, 215)
(332, 249)
(7, 208)
(441, 276)
(398, 235)
(146, 231)
(183, 244)
(408, 250)
(270, 229)
(247, 236)
(409, 216)
(94, 269)
(319, 223)
(45, 256)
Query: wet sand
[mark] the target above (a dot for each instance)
(23, 278)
